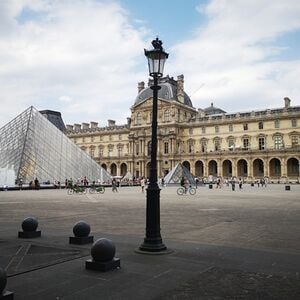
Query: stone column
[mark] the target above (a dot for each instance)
(250, 168)
(266, 167)
(205, 168)
(220, 168)
(193, 167)
(283, 168)
(234, 168)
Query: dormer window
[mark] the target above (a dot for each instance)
(138, 119)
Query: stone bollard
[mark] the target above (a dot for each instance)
(103, 256)
(29, 226)
(5, 295)
(81, 231)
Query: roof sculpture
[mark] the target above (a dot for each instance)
(32, 147)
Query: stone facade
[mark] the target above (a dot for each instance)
(209, 142)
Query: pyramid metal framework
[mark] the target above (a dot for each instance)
(176, 174)
(33, 147)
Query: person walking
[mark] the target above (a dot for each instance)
(20, 183)
(233, 184)
(36, 184)
(240, 184)
(114, 185)
(142, 182)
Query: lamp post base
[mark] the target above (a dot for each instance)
(152, 245)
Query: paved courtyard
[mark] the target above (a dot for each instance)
(242, 244)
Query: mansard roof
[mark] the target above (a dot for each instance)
(167, 92)
(212, 110)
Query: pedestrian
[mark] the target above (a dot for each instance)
(36, 184)
(197, 182)
(142, 182)
(240, 184)
(20, 183)
(233, 184)
(85, 181)
(114, 185)
(218, 183)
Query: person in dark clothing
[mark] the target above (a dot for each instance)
(36, 184)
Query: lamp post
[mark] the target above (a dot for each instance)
(153, 241)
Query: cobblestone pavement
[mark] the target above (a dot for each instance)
(242, 244)
(217, 284)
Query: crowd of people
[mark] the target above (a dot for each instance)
(115, 183)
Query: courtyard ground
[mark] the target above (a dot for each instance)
(242, 244)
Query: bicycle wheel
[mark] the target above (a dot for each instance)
(92, 190)
(180, 191)
(70, 191)
(192, 191)
(101, 190)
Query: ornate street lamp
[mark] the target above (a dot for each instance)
(153, 241)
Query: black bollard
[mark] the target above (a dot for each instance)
(103, 256)
(29, 226)
(81, 231)
(287, 187)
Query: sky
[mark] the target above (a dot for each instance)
(85, 58)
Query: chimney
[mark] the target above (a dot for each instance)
(94, 125)
(141, 86)
(287, 102)
(69, 127)
(180, 89)
(85, 125)
(77, 127)
(111, 123)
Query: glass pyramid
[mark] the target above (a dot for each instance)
(32, 147)
(179, 171)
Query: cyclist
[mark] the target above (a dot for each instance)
(184, 183)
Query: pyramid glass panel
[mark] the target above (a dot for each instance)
(176, 174)
(32, 147)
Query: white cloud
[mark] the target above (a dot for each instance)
(78, 57)
(230, 58)
(84, 58)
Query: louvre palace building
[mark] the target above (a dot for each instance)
(209, 142)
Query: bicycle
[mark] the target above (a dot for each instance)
(97, 189)
(182, 190)
(77, 190)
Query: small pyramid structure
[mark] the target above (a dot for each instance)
(32, 147)
(176, 174)
(127, 176)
